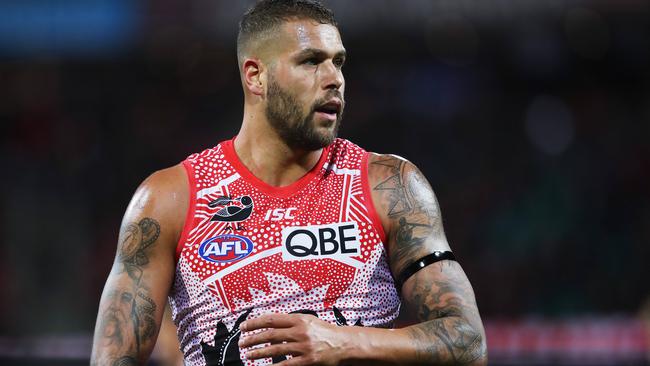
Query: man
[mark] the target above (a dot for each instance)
(286, 244)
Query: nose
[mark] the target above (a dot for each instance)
(332, 76)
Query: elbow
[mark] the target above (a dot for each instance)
(477, 351)
(474, 350)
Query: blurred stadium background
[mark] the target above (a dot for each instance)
(530, 118)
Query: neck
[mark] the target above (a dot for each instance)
(267, 156)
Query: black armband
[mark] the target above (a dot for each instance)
(413, 268)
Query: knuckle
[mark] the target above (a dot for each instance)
(268, 320)
(270, 335)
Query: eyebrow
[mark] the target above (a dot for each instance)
(319, 52)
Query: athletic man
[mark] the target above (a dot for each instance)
(286, 244)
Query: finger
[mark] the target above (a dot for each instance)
(270, 320)
(274, 350)
(267, 336)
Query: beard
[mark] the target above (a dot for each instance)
(299, 131)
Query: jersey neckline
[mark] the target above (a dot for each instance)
(282, 191)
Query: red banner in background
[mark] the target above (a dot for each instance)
(571, 341)
(575, 341)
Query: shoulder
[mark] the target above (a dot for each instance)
(163, 183)
(386, 166)
(163, 196)
(398, 187)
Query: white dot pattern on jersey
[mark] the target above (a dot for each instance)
(208, 292)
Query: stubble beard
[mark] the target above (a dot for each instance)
(285, 115)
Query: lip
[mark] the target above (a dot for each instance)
(328, 116)
(335, 102)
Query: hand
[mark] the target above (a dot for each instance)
(309, 340)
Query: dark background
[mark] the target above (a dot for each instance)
(531, 120)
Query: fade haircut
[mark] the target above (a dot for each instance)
(266, 16)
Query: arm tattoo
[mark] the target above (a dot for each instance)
(394, 184)
(137, 238)
(446, 333)
(127, 320)
(125, 361)
(412, 209)
(450, 330)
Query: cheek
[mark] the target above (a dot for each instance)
(304, 90)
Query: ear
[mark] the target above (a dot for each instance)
(253, 76)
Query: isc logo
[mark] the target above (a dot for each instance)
(278, 214)
(225, 248)
(320, 241)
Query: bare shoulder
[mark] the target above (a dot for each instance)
(407, 207)
(168, 180)
(163, 197)
(391, 174)
(384, 165)
(385, 173)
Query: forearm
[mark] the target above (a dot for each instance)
(444, 341)
(126, 325)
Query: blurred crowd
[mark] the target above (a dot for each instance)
(532, 128)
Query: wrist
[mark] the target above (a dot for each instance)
(353, 345)
(370, 346)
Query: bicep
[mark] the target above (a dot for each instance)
(414, 226)
(408, 209)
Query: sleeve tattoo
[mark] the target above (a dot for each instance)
(448, 332)
(414, 221)
(127, 317)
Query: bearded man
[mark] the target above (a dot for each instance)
(286, 244)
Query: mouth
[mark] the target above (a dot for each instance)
(331, 109)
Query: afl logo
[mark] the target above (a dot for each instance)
(225, 248)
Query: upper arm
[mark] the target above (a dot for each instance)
(407, 208)
(411, 216)
(135, 293)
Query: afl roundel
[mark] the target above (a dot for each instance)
(225, 248)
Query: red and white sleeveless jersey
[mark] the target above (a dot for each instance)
(248, 248)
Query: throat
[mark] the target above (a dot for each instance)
(276, 164)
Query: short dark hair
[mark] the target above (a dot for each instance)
(267, 15)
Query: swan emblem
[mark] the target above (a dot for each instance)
(234, 210)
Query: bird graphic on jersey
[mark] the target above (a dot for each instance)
(232, 213)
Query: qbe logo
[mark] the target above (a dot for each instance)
(225, 248)
(337, 241)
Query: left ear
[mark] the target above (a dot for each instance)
(254, 76)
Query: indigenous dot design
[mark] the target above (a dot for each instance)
(219, 285)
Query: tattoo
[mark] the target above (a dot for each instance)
(137, 238)
(125, 361)
(407, 245)
(461, 343)
(448, 313)
(127, 318)
(146, 311)
(398, 201)
(450, 330)
(412, 209)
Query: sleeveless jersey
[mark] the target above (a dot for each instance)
(248, 248)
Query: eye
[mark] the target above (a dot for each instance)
(339, 62)
(311, 61)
